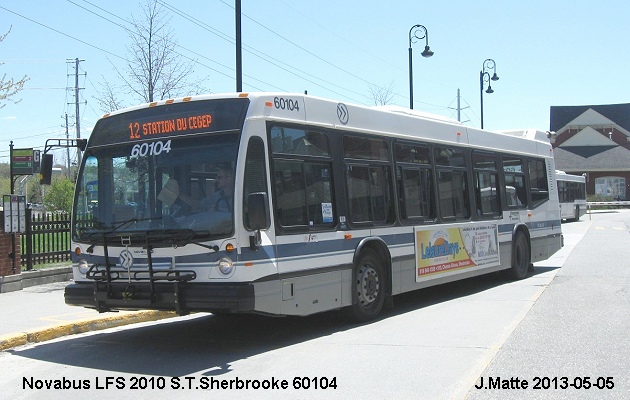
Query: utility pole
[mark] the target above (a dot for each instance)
(68, 149)
(239, 54)
(459, 107)
(76, 103)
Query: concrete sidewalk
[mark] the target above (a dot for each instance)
(39, 313)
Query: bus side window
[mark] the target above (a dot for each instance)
(515, 189)
(538, 182)
(486, 179)
(416, 194)
(452, 183)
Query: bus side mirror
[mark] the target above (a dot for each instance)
(45, 170)
(258, 216)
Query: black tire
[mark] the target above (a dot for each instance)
(369, 286)
(521, 256)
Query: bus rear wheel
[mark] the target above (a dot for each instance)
(369, 285)
(520, 256)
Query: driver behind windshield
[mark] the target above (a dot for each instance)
(189, 212)
(221, 199)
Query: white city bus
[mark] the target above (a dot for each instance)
(572, 195)
(328, 205)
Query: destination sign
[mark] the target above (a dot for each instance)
(139, 130)
(168, 121)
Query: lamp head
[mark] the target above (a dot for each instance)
(427, 52)
(495, 77)
(489, 90)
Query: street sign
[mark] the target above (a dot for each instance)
(14, 213)
(36, 161)
(22, 161)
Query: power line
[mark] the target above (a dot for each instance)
(260, 55)
(302, 48)
(338, 36)
(265, 57)
(100, 16)
(325, 61)
(61, 33)
(175, 52)
(273, 61)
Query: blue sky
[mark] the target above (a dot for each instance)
(546, 52)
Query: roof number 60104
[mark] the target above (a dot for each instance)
(286, 104)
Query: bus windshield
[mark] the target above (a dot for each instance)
(158, 182)
(178, 183)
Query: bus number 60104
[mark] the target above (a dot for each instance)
(286, 104)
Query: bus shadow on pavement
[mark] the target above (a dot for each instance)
(411, 301)
(208, 345)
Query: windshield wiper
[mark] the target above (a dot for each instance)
(170, 237)
(129, 221)
(180, 237)
(94, 237)
(204, 234)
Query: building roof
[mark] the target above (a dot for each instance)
(560, 116)
(580, 158)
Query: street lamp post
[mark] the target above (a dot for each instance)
(484, 76)
(417, 32)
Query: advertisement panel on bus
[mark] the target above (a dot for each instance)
(446, 248)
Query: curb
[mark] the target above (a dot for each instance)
(25, 279)
(71, 328)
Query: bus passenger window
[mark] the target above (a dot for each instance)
(417, 193)
(515, 189)
(303, 193)
(453, 195)
(538, 182)
(369, 193)
(486, 184)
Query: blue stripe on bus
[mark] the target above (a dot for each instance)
(302, 250)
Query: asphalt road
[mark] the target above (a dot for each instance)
(437, 343)
(575, 341)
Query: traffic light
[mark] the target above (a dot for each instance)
(45, 171)
(81, 144)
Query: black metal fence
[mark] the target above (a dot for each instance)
(46, 240)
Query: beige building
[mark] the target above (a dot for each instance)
(594, 140)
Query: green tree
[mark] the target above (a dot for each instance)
(59, 196)
(5, 180)
(34, 190)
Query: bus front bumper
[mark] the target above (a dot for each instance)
(179, 297)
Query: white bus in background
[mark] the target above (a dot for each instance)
(329, 206)
(572, 195)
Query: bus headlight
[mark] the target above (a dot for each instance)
(226, 266)
(83, 266)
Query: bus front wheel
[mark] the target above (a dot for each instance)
(520, 256)
(369, 285)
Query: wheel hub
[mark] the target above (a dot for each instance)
(369, 284)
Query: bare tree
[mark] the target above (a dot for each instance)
(154, 70)
(108, 98)
(382, 95)
(10, 87)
